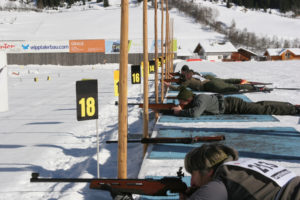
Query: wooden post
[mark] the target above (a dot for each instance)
(167, 39)
(172, 45)
(146, 71)
(122, 144)
(162, 51)
(156, 56)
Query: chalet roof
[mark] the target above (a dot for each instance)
(185, 46)
(251, 52)
(213, 46)
(280, 51)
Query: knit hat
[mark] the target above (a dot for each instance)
(185, 68)
(208, 156)
(184, 94)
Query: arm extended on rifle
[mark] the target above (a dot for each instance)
(152, 187)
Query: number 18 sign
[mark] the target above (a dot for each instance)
(87, 99)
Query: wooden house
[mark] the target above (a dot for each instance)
(283, 54)
(214, 51)
(243, 55)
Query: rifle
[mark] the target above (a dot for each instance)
(149, 186)
(266, 90)
(173, 80)
(276, 88)
(183, 140)
(258, 83)
(175, 73)
(154, 106)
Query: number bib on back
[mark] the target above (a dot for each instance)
(278, 174)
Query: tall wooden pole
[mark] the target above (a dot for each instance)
(162, 51)
(146, 71)
(167, 39)
(122, 144)
(156, 56)
(172, 44)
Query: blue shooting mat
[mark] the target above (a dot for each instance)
(186, 179)
(254, 142)
(218, 118)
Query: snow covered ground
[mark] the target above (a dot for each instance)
(40, 132)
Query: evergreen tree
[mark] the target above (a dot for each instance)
(228, 4)
(106, 3)
(40, 4)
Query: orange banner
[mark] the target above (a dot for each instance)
(87, 46)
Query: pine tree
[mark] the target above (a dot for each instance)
(228, 4)
(40, 4)
(106, 3)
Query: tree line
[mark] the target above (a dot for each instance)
(239, 38)
(281, 5)
(60, 3)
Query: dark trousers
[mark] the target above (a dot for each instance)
(235, 105)
(220, 85)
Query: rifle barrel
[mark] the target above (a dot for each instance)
(277, 88)
(35, 178)
(183, 140)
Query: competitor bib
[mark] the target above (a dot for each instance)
(278, 174)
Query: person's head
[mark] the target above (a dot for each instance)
(202, 162)
(184, 69)
(188, 74)
(185, 96)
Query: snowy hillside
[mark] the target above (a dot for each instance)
(259, 22)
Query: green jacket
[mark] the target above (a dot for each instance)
(201, 104)
(243, 184)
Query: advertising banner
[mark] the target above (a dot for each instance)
(35, 46)
(136, 46)
(87, 46)
(112, 46)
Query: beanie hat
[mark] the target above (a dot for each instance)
(184, 94)
(208, 156)
(185, 68)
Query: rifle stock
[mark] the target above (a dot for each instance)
(182, 140)
(160, 106)
(152, 187)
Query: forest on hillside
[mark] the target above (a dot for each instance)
(282, 5)
(240, 38)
